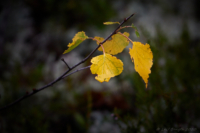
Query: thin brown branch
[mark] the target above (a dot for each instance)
(66, 63)
(76, 71)
(34, 91)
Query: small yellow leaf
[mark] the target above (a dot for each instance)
(142, 57)
(109, 23)
(99, 39)
(78, 38)
(106, 66)
(115, 45)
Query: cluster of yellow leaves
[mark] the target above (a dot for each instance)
(107, 66)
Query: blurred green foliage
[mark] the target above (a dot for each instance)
(171, 102)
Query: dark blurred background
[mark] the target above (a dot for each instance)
(34, 34)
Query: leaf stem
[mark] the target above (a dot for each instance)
(103, 49)
(98, 43)
(125, 36)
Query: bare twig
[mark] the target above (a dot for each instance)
(76, 71)
(65, 63)
(65, 74)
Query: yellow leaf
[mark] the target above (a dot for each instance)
(106, 66)
(115, 45)
(102, 78)
(109, 23)
(99, 39)
(142, 57)
(78, 38)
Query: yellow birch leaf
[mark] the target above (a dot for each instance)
(142, 57)
(115, 45)
(78, 38)
(100, 39)
(106, 66)
(102, 78)
(109, 23)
